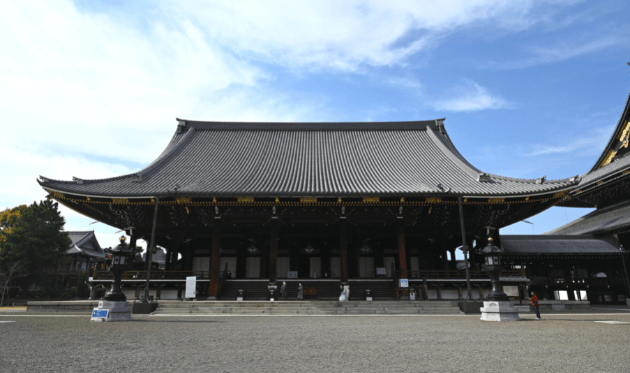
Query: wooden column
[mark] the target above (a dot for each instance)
(241, 255)
(343, 248)
(325, 267)
(402, 255)
(273, 250)
(214, 259)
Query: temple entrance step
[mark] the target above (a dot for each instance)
(379, 289)
(258, 289)
(308, 308)
(324, 289)
(255, 289)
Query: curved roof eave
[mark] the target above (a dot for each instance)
(625, 117)
(186, 131)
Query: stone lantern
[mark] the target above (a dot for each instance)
(120, 256)
(497, 307)
(114, 306)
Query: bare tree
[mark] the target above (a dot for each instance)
(13, 272)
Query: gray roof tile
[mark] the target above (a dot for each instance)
(308, 159)
(600, 221)
(556, 244)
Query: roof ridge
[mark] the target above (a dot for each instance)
(308, 126)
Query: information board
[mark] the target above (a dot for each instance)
(381, 271)
(191, 287)
(292, 274)
(403, 283)
(101, 314)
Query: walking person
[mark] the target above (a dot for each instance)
(300, 294)
(534, 300)
(283, 289)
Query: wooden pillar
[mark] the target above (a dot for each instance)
(241, 255)
(188, 254)
(402, 255)
(326, 259)
(444, 256)
(273, 250)
(214, 260)
(343, 249)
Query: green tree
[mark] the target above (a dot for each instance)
(33, 236)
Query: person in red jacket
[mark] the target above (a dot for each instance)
(534, 300)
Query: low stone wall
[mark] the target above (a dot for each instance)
(62, 306)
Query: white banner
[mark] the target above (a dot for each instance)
(191, 287)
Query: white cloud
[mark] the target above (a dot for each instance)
(542, 55)
(470, 97)
(343, 35)
(591, 145)
(83, 85)
(78, 87)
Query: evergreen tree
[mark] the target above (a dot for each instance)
(34, 237)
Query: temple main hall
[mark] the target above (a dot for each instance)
(248, 205)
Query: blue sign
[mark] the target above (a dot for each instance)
(404, 283)
(100, 313)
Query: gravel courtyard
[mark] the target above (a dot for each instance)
(559, 343)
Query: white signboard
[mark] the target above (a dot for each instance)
(292, 274)
(99, 315)
(404, 283)
(191, 287)
(511, 291)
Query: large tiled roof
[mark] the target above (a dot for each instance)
(556, 245)
(600, 221)
(206, 159)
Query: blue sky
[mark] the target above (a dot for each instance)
(91, 89)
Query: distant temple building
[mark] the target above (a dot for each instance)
(84, 252)
(588, 255)
(249, 204)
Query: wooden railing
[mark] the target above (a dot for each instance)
(413, 275)
(451, 274)
(543, 280)
(155, 275)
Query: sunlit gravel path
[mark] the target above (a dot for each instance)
(559, 343)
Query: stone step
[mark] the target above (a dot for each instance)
(308, 310)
